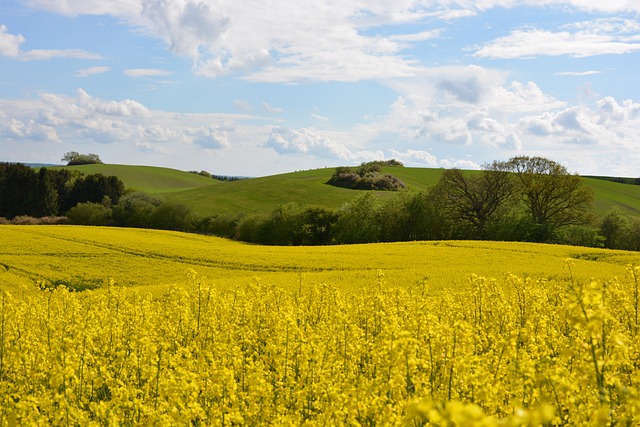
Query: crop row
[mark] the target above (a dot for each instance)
(500, 352)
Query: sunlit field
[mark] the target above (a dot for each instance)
(108, 326)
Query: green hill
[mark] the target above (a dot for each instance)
(149, 179)
(209, 196)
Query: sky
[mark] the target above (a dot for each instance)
(261, 87)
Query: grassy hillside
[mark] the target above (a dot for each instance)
(306, 187)
(149, 179)
(208, 196)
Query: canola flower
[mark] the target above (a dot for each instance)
(500, 352)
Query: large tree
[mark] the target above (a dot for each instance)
(476, 198)
(553, 196)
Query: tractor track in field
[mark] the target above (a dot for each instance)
(204, 262)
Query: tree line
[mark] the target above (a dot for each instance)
(524, 199)
(25, 191)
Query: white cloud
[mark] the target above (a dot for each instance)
(289, 41)
(146, 72)
(46, 54)
(242, 105)
(83, 117)
(306, 141)
(271, 109)
(120, 8)
(578, 73)
(517, 97)
(282, 41)
(10, 43)
(212, 137)
(460, 164)
(412, 157)
(588, 38)
(319, 117)
(10, 46)
(86, 72)
(609, 125)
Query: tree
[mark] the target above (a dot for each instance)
(613, 228)
(93, 188)
(477, 198)
(553, 196)
(135, 210)
(74, 158)
(317, 225)
(359, 220)
(47, 194)
(172, 216)
(18, 190)
(89, 213)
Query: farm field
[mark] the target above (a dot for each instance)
(184, 329)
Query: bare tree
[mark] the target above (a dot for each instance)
(477, 197)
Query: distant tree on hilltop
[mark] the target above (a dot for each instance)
(74, 158)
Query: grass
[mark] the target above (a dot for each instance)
(262, 195)
(150, 179)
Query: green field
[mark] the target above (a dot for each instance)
(150, 179)
(257, 195)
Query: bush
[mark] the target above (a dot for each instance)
(89, 214)
(218, 225)
(135, 210)
(251, 229)
(579, 235)
(172, 216)
(368, 176)
(45, 220)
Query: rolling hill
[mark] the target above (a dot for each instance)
(150, 179)
(208, 196)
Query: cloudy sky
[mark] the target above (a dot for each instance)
(256, 87)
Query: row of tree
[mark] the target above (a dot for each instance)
(49, 192)
(523, 199)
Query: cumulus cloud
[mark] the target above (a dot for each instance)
(521, 98)
(287, 41)
(413, 157)
(10, 43)
(280, 41)
(212, 137)
(306, 141)
(610, 124)
(82, 117)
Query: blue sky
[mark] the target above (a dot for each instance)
(250, 87)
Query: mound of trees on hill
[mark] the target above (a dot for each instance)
(74, 158)
(368, 176)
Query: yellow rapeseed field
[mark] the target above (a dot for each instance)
(179, 329)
